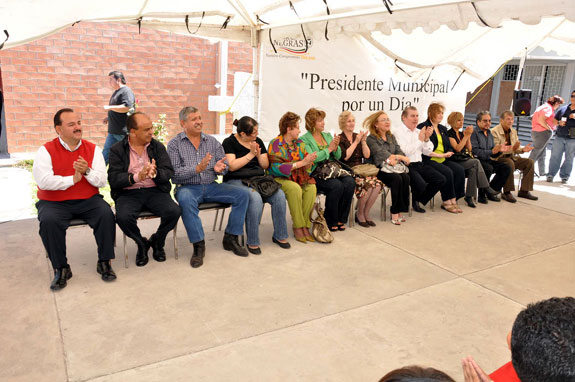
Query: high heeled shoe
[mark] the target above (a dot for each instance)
(299, 235)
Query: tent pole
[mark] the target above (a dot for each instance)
(256, 71)
(223, 83)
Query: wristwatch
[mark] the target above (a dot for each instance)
(87, 171)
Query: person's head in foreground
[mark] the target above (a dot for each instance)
(543, 341)
(416, 374)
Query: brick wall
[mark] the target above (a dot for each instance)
(482, 101)
(69, 69)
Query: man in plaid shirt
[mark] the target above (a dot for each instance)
(198, 159)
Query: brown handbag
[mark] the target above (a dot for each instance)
(319, 229)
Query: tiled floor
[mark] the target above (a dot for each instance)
(430, 292)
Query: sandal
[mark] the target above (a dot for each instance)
(340, 227)
(308, 235)
(395, 221)
(449, 208)
(333, 229)
(402, 218)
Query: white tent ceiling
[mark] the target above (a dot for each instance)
(472, 36)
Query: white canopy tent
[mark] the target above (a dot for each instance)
(470, 39)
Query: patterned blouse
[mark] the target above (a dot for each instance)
(282, 156)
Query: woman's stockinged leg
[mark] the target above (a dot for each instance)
(372, 198)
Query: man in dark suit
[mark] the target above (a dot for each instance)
(139, 175)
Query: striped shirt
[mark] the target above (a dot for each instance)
(185, 158)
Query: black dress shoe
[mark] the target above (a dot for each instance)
(158, 250)
(230, 243)
(527, 195)
(490, 191)
(495, 198)
(363, 224)
(197, 259)
(469, 201)
(105, 269)
(61, 276)
(142, 255)
(282, 245)
(508, 197)
(417, 208)
(482, 199)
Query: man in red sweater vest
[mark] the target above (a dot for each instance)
(68, 171)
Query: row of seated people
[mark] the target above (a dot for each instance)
(542, 345)
(69, 171)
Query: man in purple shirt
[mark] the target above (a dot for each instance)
(198, 159)
(139, 175)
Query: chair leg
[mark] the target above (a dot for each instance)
(216, 219)
(384, 204)
(222, 219)
(125, 251)
(175, 232)
(351, 218)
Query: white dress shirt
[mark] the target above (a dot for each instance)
(44, 172)
(410, 144)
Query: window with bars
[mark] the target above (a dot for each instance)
(510, 72)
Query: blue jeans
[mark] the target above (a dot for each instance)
(562, 145)
(190, 196)
(110, 140)
(255, 210)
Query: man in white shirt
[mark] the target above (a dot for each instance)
(425, 181)
(69, 171)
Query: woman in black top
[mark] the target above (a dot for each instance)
(454, 187)
(247, 156)
(355, 151)
(461, 143)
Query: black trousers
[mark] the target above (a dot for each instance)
(425, 181)
(132, 202)
(502, 171)
(338, 196)
(55, 219)
(399, 186)
(454, 173)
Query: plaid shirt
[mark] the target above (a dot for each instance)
(185, 158)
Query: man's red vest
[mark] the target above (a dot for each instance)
(62, 161)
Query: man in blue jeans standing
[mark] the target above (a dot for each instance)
(564, 142)
(198, 159)
(121, 105)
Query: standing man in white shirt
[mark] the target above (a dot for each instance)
(69, 171)
(425, 181)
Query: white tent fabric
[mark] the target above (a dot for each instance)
(470, 38)
(27, 20)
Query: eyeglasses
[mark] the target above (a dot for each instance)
(384, 120)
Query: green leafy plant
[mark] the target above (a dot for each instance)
(26, 164)
(160, 130)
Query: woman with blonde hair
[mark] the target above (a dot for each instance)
(461, 144)
(385, 152)
(355, 151)
(338, 191)
(454, 187)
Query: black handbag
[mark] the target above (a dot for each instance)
(461, 156)
(265, 185)
(331, 169)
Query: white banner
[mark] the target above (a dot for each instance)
(344, 73)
